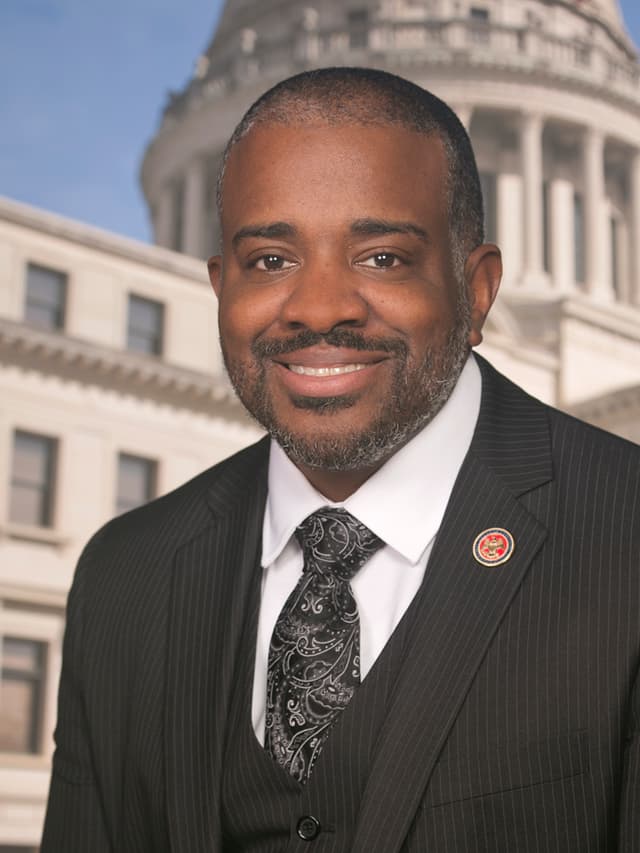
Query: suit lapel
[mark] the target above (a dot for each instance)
(213, 574)
(462, 604)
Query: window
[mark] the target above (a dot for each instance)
(22, 694)
(178, 216)
(489, 199)
(358, 21)
(144, 325)
(614, 228)
(479, 14)
(583, 55)
(137, 478)
(479, 25)
(211, 231)
(46, 294)
(546, 226)
(578, 238)
(32, 479)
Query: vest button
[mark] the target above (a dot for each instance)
(308, 828)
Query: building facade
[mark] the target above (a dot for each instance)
(550, 94)
(111, 392)
(111, 383)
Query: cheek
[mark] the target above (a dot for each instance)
(425, 301)
(423, 324)
(241, 319)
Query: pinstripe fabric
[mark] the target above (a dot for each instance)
(513, 720)
(155, 614)
(262, 802)
(513, 725)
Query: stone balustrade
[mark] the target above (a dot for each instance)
(605, 65)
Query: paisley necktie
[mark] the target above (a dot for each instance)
(314, 656)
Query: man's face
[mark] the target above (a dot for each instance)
(342, 324)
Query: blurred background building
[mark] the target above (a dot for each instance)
(111, 381)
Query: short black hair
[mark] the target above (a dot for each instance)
(369, 96)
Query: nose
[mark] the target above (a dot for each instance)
(324, 295)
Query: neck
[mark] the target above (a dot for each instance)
(337, 486)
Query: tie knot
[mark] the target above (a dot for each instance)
(332, 540)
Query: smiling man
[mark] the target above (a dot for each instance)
(344, 319)
(409, 618)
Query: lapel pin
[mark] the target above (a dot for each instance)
(493, 547)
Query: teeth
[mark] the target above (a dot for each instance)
(325, 371)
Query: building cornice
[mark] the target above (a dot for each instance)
(143, 376)
(623, 320)
(40, 596)
(623, 404)
(89, 237)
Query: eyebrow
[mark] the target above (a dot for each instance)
(360, 227)
(271, 231)
(374, 227)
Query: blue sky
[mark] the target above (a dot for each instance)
(81, 92)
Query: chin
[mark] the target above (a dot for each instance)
(348, 449)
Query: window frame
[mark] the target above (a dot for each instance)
(120, 505)
(480, 14)
(579, 240)
(158, 339)
(489, 189)
(177, 225)
(359, 27)
(59, 307)
(36, 681)
(26, 621)
(48, 488)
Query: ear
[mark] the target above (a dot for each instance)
(214, 265)
(482, 273)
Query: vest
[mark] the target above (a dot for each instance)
(265, 810)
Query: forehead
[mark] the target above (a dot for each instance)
(326, 171)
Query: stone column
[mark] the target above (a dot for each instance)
(597, 278)
(562, 225)
(531, 148)
(193, 210)
(634, 231)
(163, 220)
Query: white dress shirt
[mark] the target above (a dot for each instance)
(403, 503)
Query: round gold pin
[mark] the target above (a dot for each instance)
(493, 547)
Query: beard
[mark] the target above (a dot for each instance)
(417, 394)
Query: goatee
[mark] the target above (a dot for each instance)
(417, 394)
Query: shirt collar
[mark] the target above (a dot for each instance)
(405, 500)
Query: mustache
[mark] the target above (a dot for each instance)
(347, 338)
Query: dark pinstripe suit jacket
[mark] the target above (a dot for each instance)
(515, 725)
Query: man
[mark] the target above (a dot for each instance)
(409, 620)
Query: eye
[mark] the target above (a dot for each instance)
(381, 261)
(272, 263)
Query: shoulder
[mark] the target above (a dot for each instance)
(597, 478)
(146, 536)
(507, 401)
(570, 434)
(587, 464)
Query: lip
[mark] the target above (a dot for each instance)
(328, 383)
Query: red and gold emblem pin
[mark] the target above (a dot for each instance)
(493, 547)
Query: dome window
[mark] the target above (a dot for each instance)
(358, 23)
(479, 14)
(479, 24)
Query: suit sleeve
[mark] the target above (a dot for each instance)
(630, 796)
(75, 817)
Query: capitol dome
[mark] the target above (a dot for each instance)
(550, 93)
